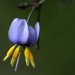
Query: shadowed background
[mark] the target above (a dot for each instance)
(56, 55)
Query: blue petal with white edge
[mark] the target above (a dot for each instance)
(12, 33)
(37, 29)
(23, 32)
(32, 36)
(14, 30)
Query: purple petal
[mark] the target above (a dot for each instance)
(32, 36)
(37, 29)
(15, 20)
(12, 33)
(23, 33)
(18, 31)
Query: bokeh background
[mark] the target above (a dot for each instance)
(56, 55)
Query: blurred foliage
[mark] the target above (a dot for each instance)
(57, 39)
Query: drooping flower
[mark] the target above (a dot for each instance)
(22, 35)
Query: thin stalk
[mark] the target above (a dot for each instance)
(40, 2)
(30, 14)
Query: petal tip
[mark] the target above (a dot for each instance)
(37, 29)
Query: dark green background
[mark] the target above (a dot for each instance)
(57, 38)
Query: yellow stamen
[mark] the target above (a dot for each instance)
(31, 60)
(32, 63)
(27, 62)
(14, 56)
(9, 52)
(31, 56)
(26, 53)
(12, 62)
(28, 57)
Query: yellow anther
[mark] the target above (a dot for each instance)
(9, 52)
(12, 62)
(26, 53)
(31, 60)
(14, 56)
(27, 62)
(32, 63)
(29, 57)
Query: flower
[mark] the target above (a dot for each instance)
(22, 35)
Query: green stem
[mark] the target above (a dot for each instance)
(39, 3)
(30, 14)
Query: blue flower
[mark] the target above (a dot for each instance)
(22, 34)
